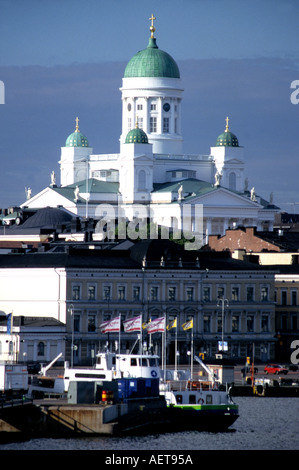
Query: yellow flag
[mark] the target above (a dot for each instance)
(187, 325)
(145, 324)
(172, 324)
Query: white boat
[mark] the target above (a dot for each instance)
(109, 366)
(200, 405)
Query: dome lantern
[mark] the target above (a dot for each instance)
(76, 139)
(227, 138)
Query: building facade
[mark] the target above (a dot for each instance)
(82, 288)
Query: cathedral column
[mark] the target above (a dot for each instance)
(159, 119)
(146, 115)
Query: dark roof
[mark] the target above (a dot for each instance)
(174, 255)
(47, 217)
(20, 320)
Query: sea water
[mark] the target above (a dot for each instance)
(264, 424)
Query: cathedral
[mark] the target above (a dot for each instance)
(151, 176)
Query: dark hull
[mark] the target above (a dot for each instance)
(201, 420)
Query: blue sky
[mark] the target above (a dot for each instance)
(59, 59)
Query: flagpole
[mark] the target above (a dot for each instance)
(176, 346)
(192, 353)
(165, 344)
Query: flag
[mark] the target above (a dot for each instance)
(133, 324)
(172, 324)
(110, 326)
(9, 323)
(156, 325)
(187, 325)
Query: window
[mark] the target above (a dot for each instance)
(133, 362)
(153, 107)
(283, 297)
(172, 293)
(235, 294)
(206, 294)
(294, 322)
(77, 323)
(232, 181)
(207, 324)
(141, 180)
(136, 293)
(154, 293)
(294, 297)
(264, 294)
(107, 292)
(190, 294)
(76, 295)
(166, 125)
(250, 294)
(153, 124)
(175, 125)
(219, 324)
(250, 323)
(41, 349)
(220, 293)
(139, 107)
(265, 323)
(121, 293)
(140, 122)
(91, 323)
(192, 399)
(91, 293)
(235, 323)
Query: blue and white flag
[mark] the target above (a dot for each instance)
(9, 324)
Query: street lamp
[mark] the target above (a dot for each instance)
(224, 303)
(71, 311)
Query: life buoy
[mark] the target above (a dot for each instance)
(200, 401)
(153, 373)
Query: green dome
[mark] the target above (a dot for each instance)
(152, 62)
(136, 136)
(227, 138)
(76, 139)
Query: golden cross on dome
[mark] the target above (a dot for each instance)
(227, 119)
(152, 28)
(77, 124)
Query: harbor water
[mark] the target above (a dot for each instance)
(264, 424)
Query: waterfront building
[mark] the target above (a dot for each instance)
(30, 339)
(277, 251)
(83, 285)
(151, 170)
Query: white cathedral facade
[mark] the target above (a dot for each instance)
(151, 172)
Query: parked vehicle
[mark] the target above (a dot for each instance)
(13, 379)
(275, 369)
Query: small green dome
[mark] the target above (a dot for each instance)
(76, 139)
(227, 138)
(152, 62)
(136, 136)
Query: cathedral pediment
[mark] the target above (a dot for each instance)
(222, 197)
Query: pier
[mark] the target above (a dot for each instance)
(58, 418)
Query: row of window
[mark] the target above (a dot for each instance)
(235, 294)
(285, 299)
(153, 127)
(172, 293)
(262, 323)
